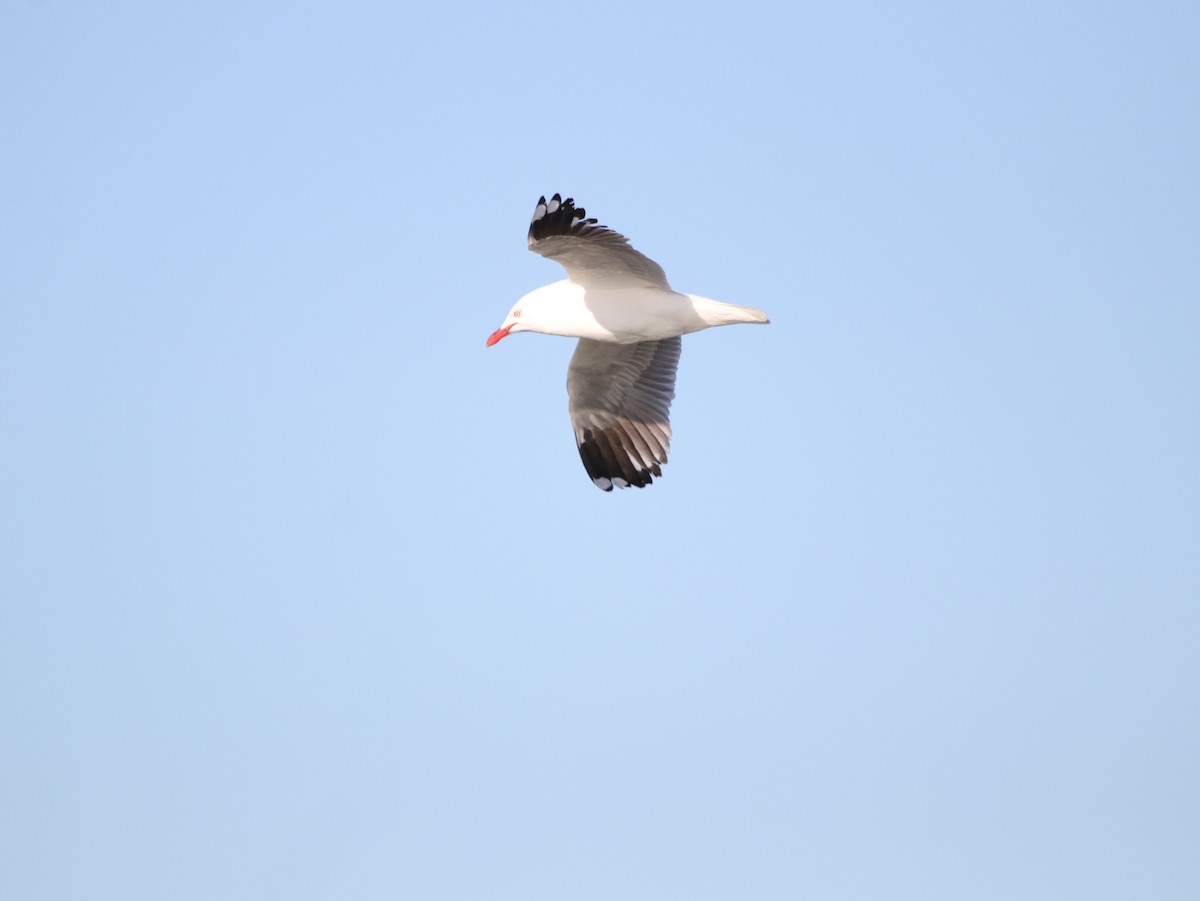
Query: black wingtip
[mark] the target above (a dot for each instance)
(608, 466)
(559, 217)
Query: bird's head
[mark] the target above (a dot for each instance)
(512, 323)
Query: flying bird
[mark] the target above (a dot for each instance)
(617, 302)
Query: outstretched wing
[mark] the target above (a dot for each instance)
(620, 398)
(592, 254)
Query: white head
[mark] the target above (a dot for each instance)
(537, 311)
(512, 323)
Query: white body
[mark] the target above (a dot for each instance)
(621, 315)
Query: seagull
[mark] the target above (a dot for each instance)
(617, 302)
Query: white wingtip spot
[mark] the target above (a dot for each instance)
(620, 483)
(552, 205)
(603, 484)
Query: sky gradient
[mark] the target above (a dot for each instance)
(305, 594)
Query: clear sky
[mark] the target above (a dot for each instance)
(305, 594)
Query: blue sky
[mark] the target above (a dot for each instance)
(305, 593)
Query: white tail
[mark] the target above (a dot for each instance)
(713, 312)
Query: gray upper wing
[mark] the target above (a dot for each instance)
(620, 400)
(590, 252)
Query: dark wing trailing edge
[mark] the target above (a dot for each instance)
(589, 251)
(620, 400)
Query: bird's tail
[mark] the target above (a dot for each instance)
(713, 312)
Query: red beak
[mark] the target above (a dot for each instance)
(498, 334)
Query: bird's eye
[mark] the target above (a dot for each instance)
(516, 314)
